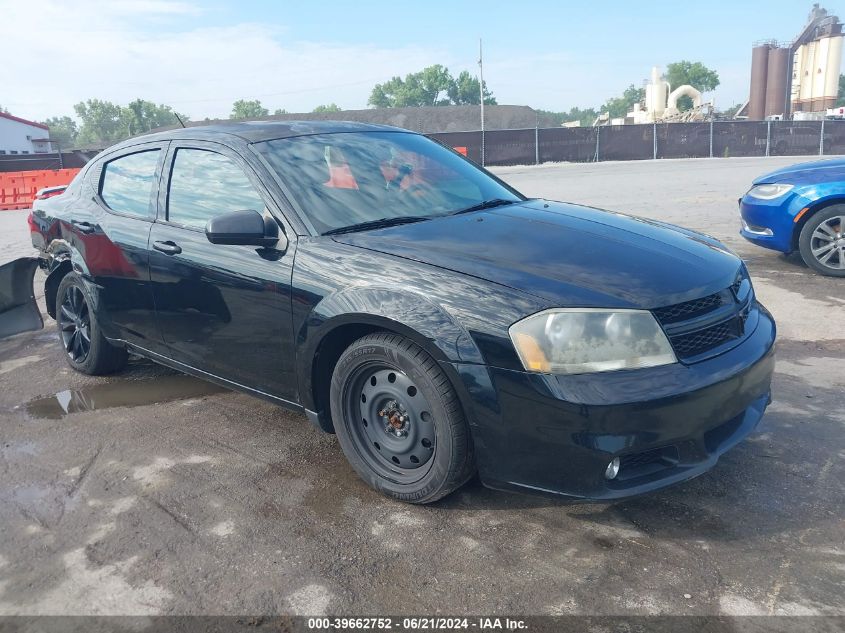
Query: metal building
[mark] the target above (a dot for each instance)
(20, 136)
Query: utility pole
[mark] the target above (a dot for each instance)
(481, 91)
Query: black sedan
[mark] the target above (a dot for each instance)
(437, 320)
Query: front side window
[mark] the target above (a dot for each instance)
(204, 184)
(349, 178)
(127, 183)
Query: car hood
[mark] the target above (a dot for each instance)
(807, 173)
(567, 254)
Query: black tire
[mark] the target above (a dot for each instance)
(83, 344)
(828, 223)
(420, 450)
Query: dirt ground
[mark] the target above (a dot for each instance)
(212, 502)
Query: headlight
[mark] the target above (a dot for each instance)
(769, 192)
(585, 340)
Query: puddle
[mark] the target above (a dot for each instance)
(128, 393)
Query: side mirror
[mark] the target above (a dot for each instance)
(245, 228)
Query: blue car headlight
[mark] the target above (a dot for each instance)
(769, 192)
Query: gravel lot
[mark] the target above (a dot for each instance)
(217, 503)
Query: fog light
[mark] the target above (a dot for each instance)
(612, 469)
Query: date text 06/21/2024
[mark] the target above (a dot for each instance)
(417, 623)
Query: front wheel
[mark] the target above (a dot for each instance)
(83, 344)
(399, 421)
(822, 241)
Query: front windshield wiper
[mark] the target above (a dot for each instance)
(377, 224)
(486, 204)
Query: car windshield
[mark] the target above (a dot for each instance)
(362, 180)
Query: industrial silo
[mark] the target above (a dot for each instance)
(776, 81)
(759, 76)
(833, 63)
(817, 59)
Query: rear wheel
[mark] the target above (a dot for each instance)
(822, 241)
(399, 421)
(84, 346)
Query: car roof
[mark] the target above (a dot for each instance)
(255, 131)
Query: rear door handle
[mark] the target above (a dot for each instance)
(83, 227)
(168, 248)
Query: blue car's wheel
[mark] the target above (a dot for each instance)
(822, 241)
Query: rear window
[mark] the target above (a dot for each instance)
(127, 183)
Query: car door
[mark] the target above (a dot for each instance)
(111, 229)
(225, 310)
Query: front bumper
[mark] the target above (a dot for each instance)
(556, 434)
(770, 223)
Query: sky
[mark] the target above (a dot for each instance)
(200, 56)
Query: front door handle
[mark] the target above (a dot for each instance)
(168, 248)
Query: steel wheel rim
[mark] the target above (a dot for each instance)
(827, 243)
(75, 324)
(376, 399)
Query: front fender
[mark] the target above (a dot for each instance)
(18, 310)
(404, 312)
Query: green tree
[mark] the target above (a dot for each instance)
(464, 90)
(618, 107)
(729, 113)
(431, 86)
(63, 130)
(384, 95)
(242, 109)
(142, 116)
(107, 122)
(841, 100)
(693, 74)
(332, 107)
(102, 122)
(585, 116)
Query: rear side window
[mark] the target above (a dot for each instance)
(204, 184)
(128, 183)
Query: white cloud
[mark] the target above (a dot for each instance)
(67, 52)
(151, 7)
(57, 53)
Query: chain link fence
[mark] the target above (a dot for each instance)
(531, 146)
(719, 139)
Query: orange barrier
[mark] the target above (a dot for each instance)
(461, 150)
(18, 188)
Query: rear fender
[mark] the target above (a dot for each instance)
(18, 310)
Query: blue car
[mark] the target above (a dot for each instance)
(801, 207)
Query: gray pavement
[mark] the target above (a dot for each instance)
(216, 503)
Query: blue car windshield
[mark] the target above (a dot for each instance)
(351, 178)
